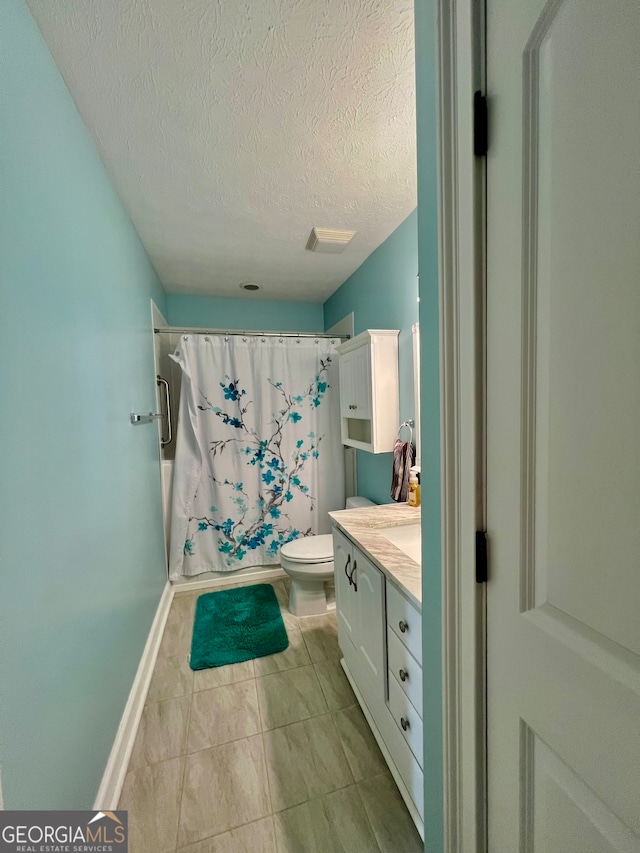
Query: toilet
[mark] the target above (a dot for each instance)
(309, 563)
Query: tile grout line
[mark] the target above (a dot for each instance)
(266, 768)
(233, 739)
(229, 684)
(273, 823)
(184, 753)
(237, 825)
(368, 819)
(264, 751)
(341, 745)
(184, 769)
(224, 832)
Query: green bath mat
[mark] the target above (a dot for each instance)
(234, 625)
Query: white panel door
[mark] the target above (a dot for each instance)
(563, 426)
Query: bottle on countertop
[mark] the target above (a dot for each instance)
(413, 498)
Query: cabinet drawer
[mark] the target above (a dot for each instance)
(402, 665)
(405, 621)
(406, 717)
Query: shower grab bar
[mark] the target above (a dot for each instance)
(160, 381)
(145, 419)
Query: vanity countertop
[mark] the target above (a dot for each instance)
(361, 525)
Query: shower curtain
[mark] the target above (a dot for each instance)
(258, 454)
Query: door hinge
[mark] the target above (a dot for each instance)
(481, 557)
(480, 125)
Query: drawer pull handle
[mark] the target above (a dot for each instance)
(403, 626)
(404, 723)
(346, 568)
(403, 675)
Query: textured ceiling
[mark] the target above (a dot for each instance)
(231, 127)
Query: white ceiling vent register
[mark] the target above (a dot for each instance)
(329, 240)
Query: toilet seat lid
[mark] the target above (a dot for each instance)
(309, 549)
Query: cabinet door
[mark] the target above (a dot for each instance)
(355, 384)
(361, 375)
(370, 624)
(345, 370)
(343, 563)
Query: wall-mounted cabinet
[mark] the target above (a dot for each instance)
(369, 394)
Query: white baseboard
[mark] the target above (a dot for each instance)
(110, 789)
(228, 580)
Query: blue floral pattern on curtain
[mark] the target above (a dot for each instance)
(257, 439)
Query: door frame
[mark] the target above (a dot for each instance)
(462, 256)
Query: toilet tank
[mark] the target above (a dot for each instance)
(356, 501)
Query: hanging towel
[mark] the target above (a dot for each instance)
(403, 456)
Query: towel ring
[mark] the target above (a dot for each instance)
(409, 425)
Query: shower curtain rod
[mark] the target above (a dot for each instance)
(168, 330)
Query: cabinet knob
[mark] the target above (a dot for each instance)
(404, 723)
(404, 627)
(403, 675)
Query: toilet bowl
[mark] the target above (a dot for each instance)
(309, 563)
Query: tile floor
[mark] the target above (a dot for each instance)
(268, 756)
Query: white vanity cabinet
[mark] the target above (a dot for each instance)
(380, 636)
(369, 393)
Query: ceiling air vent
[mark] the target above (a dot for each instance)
(329, 240)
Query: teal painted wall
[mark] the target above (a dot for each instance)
(383, 294)
(430, 406)
(81, 544)
(217, 312)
